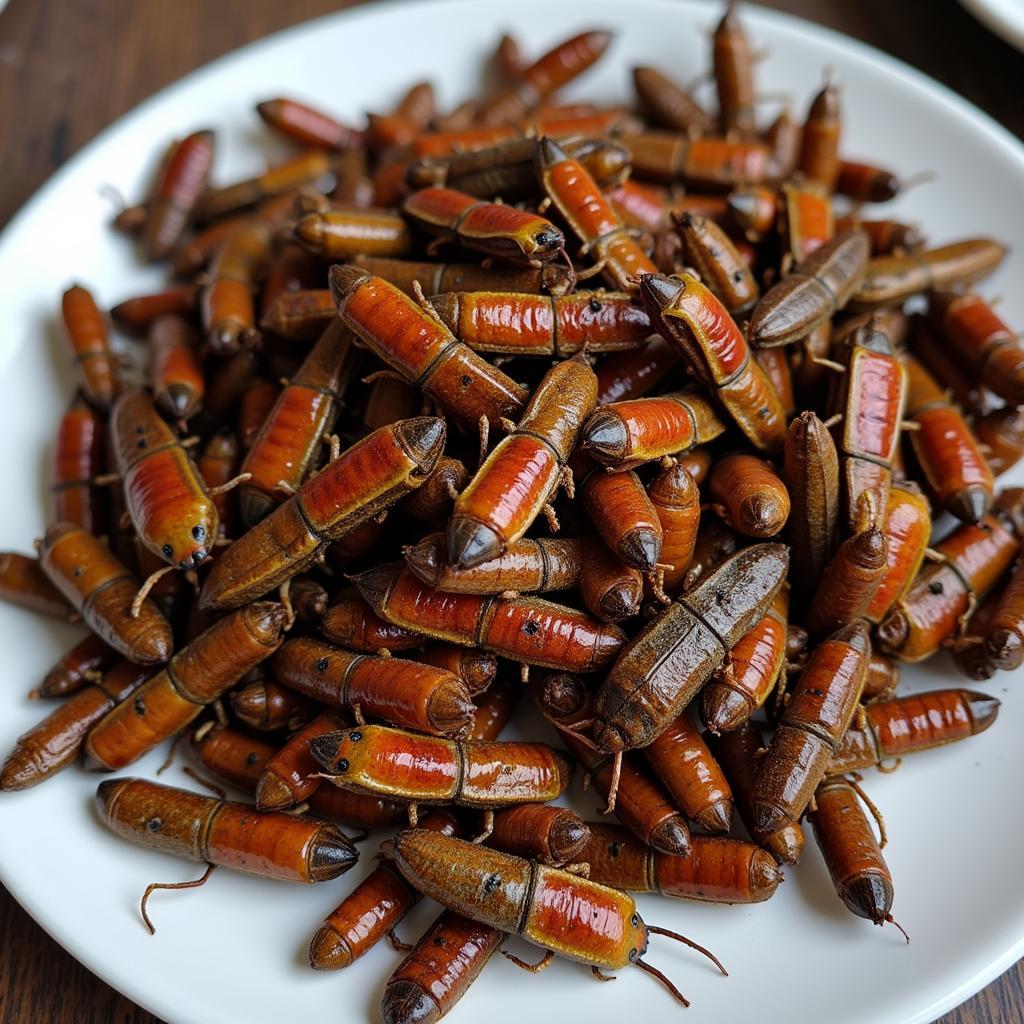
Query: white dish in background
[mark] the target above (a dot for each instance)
(236, 950)
(1003, 17)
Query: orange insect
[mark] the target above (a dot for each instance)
(78, 460)
(183, 178)
(95, 365)
(175, 373)
(308, 126)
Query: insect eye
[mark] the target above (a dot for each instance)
(321, 665)
(355, 737)
(633, 954)
(635, 920)
(167, 551)
(342, 765)
(199, 532)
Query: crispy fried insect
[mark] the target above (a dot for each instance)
(52, 744)
(662, 668)
(675, 496)
(340, 233)
(407, 694)
(819, 150)
(170, 507)
(818, 287)
(582, 205)
(750, 671)
(182, 180)
(102, 590)
(818, 713)
(228, 313)
(432, 978)
(916, 722)
(352, 623)
(204, 828)
(136, 314)
(381, 761)
(806, 222)
(371, 910)
(748, 494)
(528, 899)
(195, 677)
(981, 342)
(95, 365)
(291, 438)
(308, 126)
(887, 236)
(1004, 638)
(737, 752)
(733, 66)
(408, 119)
(888, 280)
(550, 835)
(266, 706)
(710, 162)
(503, 232)
(811, 472)
(412, 339)
(527, 566)
(624, 435)
(556, 68)
(682, 762)
(362, 482)
(632, 374)
(717, 870)
(848, 583)
(691, 318)
(514, 324)
(81, 665)
(299, 315)
(521, 475)
(710, 251)
(624, 516)
(1002, 433)
(175, 373)
(611, 590)
(870, 396)
(437, 278)
(291, 776)
(668, 104)
(973, 558)
(78, 460)
(865, 183)
(23, 583)
(524, 629)
(854, 859)
(907, 527)
(946, 451)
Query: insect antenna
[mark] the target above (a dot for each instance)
(650, 969)
(153, 886)
(655, 930)
(889, 919)
(151, 581)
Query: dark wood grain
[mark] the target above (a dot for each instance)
(68, 68)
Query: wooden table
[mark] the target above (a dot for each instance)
(69, 69)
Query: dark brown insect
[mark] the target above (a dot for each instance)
(266, 706)
(307, 126)
(81, 665)
(181, 181)
(668, 104)
(733, 66)
(819, 151)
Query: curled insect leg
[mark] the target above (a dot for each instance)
(488, 828)
(143, 592)
(484, 426)
(540, 965)
(215, 492)
(284, 596)
(582, 869)
(524, 673)
(883, 837)
(889, 919)
(396, 943)
(656, 578)
(413, 815)
(172, 753)
(613, 786)
(551, 517)
(153, 886)
(600, 976)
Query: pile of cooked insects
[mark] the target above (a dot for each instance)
(658, 442)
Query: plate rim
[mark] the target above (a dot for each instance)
(923, 83)
(1011, 32)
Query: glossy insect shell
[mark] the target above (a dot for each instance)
(174, 516)
(601, 926)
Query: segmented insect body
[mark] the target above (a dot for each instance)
(182, 180)
(79, 457)
(95, 365)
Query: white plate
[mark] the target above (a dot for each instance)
(1004, 17)
(236, 950)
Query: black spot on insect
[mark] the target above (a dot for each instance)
(439, 941)
(635, 920)
(139, 704)
(251, 758)
(816, 693)
(141, 443)
(342, 765)
(720, 598)
(506, 769)
(492, 883)
(595, 306)
(154, 825)
(737, 276)
(199, 532)
(531, 628)
(935, 587)
(321, 665)
(614, 849)
(167, 551)
(465, 380)
(355, 737)
(78, 570)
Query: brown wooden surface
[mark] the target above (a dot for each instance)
(70, 67)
